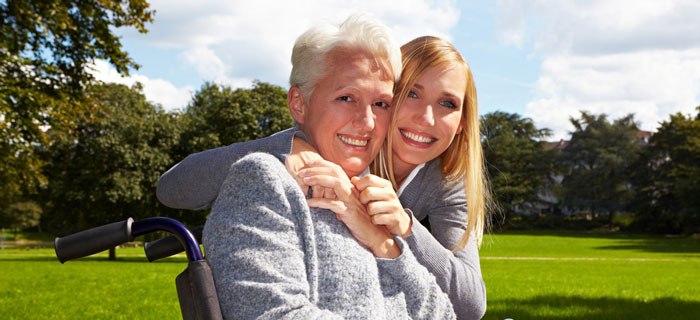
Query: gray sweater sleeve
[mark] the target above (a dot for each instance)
(194, 183)
(458, 273)
(424, 300)
(261, 260)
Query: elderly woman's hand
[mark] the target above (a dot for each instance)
(383, 204)
(301, 155)
(348, 207)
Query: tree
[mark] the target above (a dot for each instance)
(219, 115)
(517, 161)
(46, 52)
(20, 215)
(667, 177)
(109, 172)
(597, 163)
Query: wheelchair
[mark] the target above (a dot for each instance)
(195, 285)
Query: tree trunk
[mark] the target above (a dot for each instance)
(112, 253)
(611, 218)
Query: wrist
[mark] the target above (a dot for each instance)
(408, 230)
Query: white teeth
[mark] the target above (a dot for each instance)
(354, 142)
(416, 137)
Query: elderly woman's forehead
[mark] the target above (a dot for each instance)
(345, 57)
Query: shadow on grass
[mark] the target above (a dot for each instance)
(657, 245)
(182, 260)
(627, 241)
(553, 307)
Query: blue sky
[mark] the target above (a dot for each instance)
(543, 59)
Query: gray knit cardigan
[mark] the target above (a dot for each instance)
(272, 257)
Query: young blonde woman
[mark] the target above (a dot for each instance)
(433, 172)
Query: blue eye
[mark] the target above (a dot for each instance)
(448, 104)
(412, 95)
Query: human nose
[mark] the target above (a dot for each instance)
(364, 118)
(425, 116)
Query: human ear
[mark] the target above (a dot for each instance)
(460, 127)
(297, 105)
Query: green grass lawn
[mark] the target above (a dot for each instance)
(34, 285)
(591, 276)
(528, 276)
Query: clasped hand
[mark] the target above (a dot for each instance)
(368, 206)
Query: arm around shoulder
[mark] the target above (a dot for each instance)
(457, 271)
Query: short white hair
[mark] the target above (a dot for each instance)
(357, 32)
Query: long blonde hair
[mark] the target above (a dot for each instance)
(464, 158)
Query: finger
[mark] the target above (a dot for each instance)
(336, 206)
(329, 193)
(309, 171)
(382, 207)
(328, 182)
(377, 194)
(302, 186)
(317, 191)
(371, 180)
(383, 219)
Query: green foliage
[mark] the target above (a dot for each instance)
(109, 171)
(667, 177)
(55, 41)
(517, 161)
(46, 48)
(597, 163)
(219, 115)
(20, 215)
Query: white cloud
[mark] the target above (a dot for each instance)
(206, 62)
(234, 42)
(511, 21)
(613, 57)
(160, 91)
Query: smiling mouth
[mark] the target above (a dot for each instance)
(353, 142)
(416, 137)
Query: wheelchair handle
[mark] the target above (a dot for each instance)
(101, 238)
(168, 246)
(91, 241)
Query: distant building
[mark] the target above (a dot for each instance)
(643, 137)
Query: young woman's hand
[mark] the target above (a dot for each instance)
(347, 207)
(301, 155)
(383, 205)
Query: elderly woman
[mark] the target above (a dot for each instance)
(272, 256)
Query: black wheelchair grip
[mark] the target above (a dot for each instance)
(168, 246)
(91, 241)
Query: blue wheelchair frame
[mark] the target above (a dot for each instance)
(195, 285)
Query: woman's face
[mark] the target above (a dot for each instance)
(430, 117)
(347, 115)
